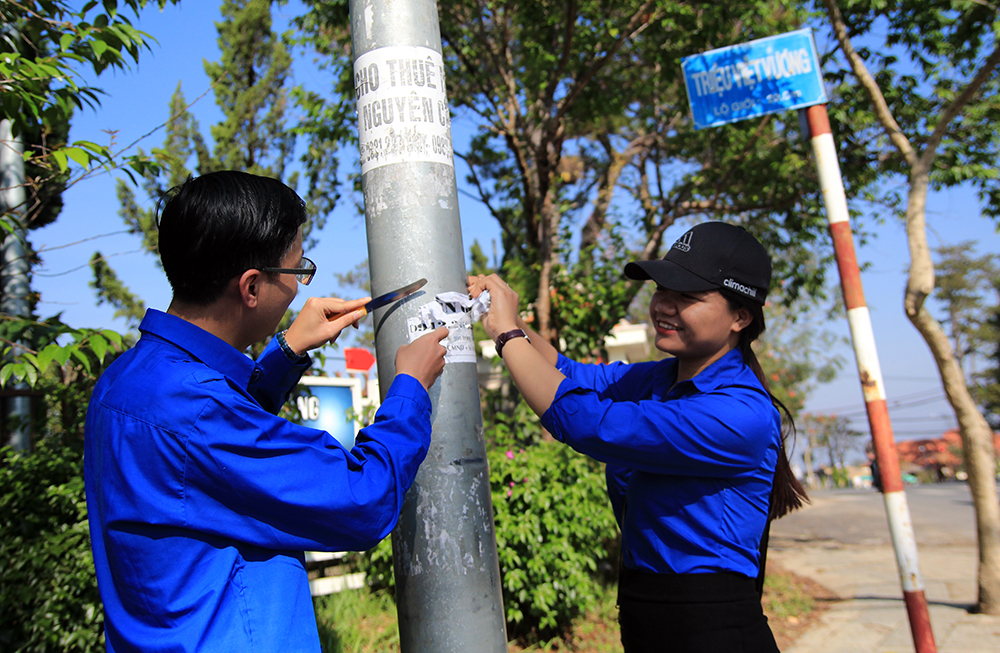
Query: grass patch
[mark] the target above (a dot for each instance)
(358, 620)
(785, 596)
(793, 604)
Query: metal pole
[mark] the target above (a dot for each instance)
(446, 568)
(897, 510)
(14, 273)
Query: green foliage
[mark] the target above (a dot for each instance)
(579, 129)
(784, 597)
(589, 295)
(834, 434)
(253, 72)
(110, 289)
(963, 284)
(60, 365)
(48, 588)
(50, 343)
(557, 540)
(252, 85)
(796, 351)
(376, 565)
(556, 536)
(46, 48)
(923, 56)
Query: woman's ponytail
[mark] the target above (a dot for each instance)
(787, 494)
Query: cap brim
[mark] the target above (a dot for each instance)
(668, 275)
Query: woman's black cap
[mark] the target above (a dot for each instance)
(710, 256)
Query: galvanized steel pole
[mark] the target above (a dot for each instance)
(444, 548)
(897, 510)
(14, 286)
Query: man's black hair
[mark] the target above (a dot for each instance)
(218, 225)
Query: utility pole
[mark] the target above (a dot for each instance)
(14, 276)
(448, 591)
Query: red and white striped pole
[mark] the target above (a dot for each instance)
(863, 338)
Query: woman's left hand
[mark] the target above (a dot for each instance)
(502, 316)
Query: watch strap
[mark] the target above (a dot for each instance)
(289, 353)
(507, 336)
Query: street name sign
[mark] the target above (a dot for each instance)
(768, 75)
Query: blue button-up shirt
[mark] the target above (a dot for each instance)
(690, 466)
(201, 500)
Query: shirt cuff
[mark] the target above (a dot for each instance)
(407, 387)
(276, 362)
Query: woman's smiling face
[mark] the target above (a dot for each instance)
(698, 328)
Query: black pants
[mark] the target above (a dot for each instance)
(691, 613)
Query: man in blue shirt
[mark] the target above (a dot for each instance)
(201, 500)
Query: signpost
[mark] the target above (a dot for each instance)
(776, 74)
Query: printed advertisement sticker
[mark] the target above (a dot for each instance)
(403, 113)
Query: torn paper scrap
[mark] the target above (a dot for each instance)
(457, 311)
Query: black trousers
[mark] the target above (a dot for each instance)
(691, 613)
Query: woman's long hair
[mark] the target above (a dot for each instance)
(788, 493)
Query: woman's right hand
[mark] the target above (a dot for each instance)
(502, 316)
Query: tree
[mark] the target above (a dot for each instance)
(183, 141)
(252, 83)
(795, 352)
(926, 95)
(583, 152)
(987, 392)
(967, 287)
(46, 48)
(834, 434)
(962, 283)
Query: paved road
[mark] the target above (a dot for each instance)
(842, 541)
(941, 514)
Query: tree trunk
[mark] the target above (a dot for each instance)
(977, 436)
(807, 460)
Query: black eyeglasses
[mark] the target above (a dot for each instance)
(304, 273)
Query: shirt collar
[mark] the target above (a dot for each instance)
(722, 372)
(210, 349)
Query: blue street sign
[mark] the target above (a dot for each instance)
(324, 402)
(768, 75)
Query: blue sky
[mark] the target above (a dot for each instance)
(136, 104)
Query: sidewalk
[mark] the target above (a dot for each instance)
(870, 616)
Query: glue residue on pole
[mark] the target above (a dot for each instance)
(403, 113)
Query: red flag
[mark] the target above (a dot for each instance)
(358, 360)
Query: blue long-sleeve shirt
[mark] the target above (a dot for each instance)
(689, 467)
(201, 500)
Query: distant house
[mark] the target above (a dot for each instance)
(937, 453)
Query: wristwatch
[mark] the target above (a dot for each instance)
(289, 353)
(504, 337)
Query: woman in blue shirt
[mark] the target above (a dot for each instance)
(696, 466)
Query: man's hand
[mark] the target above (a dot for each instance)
(321, 321)
(423, 359)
